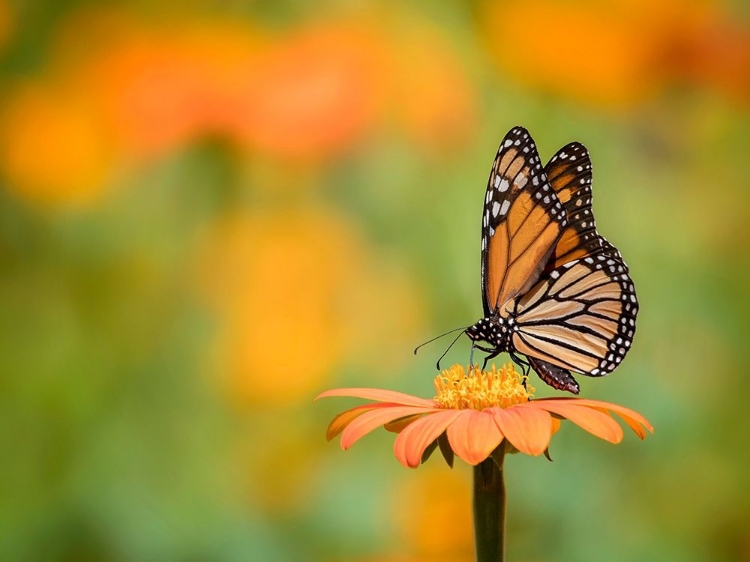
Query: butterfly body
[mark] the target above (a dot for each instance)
(553, 289)
(496, 331)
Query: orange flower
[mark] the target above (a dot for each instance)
(473, 414)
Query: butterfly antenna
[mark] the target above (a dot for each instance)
(449, 347)
(440, 336)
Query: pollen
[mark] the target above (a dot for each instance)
(460, 390)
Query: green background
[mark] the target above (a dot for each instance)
(182, 272)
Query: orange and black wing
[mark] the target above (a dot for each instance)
(570, 175)
(521, 222)
(580, 317)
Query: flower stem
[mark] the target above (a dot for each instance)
(489, 510)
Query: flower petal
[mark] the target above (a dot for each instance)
(593, 421)
(373, 419)
(474, 435)
(342, 420)
(339, 423)
(528, 429)
(397, 426)
(379, 395)
(556, 423)
(635, 421)
(412, 441)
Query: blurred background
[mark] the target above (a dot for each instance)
(212, 211)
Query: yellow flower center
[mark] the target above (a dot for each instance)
(479, 389)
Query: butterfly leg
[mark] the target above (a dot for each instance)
(492, 354)
(525, 366)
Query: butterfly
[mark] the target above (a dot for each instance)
(553, 289)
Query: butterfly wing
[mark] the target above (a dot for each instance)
(521, 222)
(570, 175)
(580, 317)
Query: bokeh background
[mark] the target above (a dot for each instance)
(212, 211)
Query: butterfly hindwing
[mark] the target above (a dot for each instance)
(522, 220)
(581, 316)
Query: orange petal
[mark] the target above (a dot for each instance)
(373, 419)
(397, 426)
(528, 429)
(593, 421)
(342, 420)
(339, 423)
(412, 441)
(555, 425)
(379, 395)
(474, 435)
(635, 421)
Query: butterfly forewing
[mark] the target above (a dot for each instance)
(570, 174)
(580, 316)
(521, 222)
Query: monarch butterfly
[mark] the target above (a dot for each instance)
(553, 289)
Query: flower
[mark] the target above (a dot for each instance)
(472, 414)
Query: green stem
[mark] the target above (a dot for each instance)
(489, 510)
